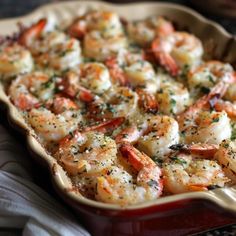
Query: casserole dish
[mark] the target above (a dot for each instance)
(180, 214)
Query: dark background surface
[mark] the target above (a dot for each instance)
(13, 8)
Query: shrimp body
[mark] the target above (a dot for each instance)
(226, 156)
(88, 152)
(143, 32)
(119, 187)
(53, 127)
(209, 73)
(28, 90)
(99, 47)
(176, 50)
(172, 98)
(95, 76)
(61, 56)
(209, 127)
(161, 132)
(142, 74)
(104, 21)
(184, 173)
(14, 60)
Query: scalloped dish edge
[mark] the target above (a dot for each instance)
(224, 197)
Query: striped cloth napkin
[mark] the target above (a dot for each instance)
(23, 205)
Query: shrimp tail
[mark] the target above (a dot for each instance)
(205, 150)
(147, 101)
(32, 32)
(164, 59)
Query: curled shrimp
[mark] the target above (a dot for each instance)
(188, 116)
(144, 31)
(53, 127)
(14, 60)
(153, 136)
(95, 76)
(118, 186)
(176, 50)
(173, 97)
(224, 154)
(29, 90)
(98, 46)
(104, 21)
(209, 74)
(183, 173)
(86, 152)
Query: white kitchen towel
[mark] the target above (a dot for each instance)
(23, 205)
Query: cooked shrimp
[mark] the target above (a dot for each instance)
(210, 73)
(176, 50)
(61, 56)
(210, 127)
(117, 102)
(142, 74)
(144, 31)
(95, 76)
(183, 173)
(118, 186)
(173, 97)
(52, 127)
(103, 21)
(14, 60)
(162, 132)
(88, 152)
(99, 47)
(226, 156)
(30, 89)
(187, 117)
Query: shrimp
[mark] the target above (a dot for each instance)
(86, 152)
(152, 135)
(118, 186)
(14, 60)
(61, 56)
(69, 85)
(141, 74)
(176, 50)
(162, 132)
(95, 76)
(99, 47)
(143, 32)
(210, 127)
(29, 90)
(54, 127)
(183, 173)
(226, 156)
(118, 102)
(210, 73)
(103, 21)
(187, 117)
(172, 98)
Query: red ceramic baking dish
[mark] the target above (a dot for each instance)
(180, 214)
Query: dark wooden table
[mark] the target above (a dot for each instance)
(13, 8)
